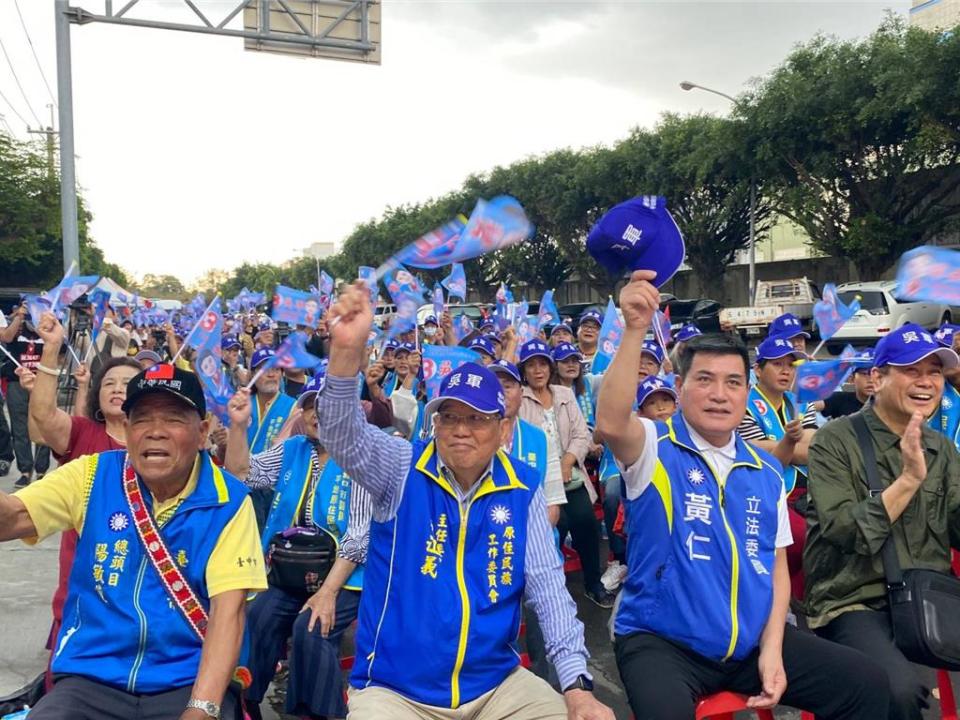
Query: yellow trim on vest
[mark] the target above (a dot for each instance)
(425, 457)
(465, 616)
(661, 481)
(263, 416)
(488, 486)
(776, 411)
(223, 494)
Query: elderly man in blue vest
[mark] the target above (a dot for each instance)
(459, 535)
(168, 551)
(705, 599)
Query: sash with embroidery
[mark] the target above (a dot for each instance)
(947, 418)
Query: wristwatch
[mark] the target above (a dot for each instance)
(210, 708)
(581, 683)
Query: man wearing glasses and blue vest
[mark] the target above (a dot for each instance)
(705, 600)
(459, 536)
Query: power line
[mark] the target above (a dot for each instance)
(16, 4)
(10, 105)
(17, 80)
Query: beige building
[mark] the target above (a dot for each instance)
(935, 15)
(320, 250)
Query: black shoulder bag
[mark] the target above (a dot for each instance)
(924, 604)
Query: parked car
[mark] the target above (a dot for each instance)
(702, 312)
(880, 312)
(773, 299)
(475, 311)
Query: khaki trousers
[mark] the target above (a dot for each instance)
(522, 696)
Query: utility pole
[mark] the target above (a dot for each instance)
(51, 145)
(68, 177)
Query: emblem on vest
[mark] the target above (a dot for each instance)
(500, 515)
(118, 522)
(696, 476)
(947, 403)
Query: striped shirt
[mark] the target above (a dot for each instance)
(380, 463)
(264, 473)
(750, 430)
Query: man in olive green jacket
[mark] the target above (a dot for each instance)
(920, 507)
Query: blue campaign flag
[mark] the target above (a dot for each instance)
(69, 289)
(520, 314)
(295, 307)
(502, 316)
(456, 282)
(401, 282)
(405, 319)
(198, 304)
(205, 339)
(293, 353)
(463, 327)
(930, 274)
(435, 249)
(493, 225)
(438, 303)
(441, 360)
(818, 379)
(375, 334)
(611, 332)
(36, 307)
(100, 300)
(831, 313)
(369, 276)
(661, 329)
(504, 295)
(548, 315)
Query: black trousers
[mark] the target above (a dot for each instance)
(6, 439)
(77, 698)
(870, 632)
(665, 681)
(577, 518)
(30, 458)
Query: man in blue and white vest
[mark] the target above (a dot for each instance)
(311, 491)
(168, 551)
(459, 536)
(705, 600)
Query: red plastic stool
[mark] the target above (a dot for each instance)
(948, 704)
(723, 705)
(571, 561)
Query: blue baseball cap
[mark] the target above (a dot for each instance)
(229, 342)
(505, 367)
(405, 348)
(654, 385)
(639, 234)
(310, 389)
(787, 326)
(473, 385)
(391, 345)
(562, 327)
(687, 332)
(591, 314)
(483, 344)
(774, 348)
(910, 344)
(493, 338)
(487, 323)
(535, 348)
(653, 348)
(945, 334)
(264, 326)
(430, 319)
(863, 360)
(565, 350)
(261, 356)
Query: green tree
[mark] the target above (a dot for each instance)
(860, 141)
(162, 286)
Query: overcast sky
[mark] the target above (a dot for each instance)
(195, 154)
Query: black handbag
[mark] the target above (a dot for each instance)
(924, 604)
(299, 559)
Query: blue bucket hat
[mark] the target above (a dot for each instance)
(505, 367)
(910, 344)
(654, 385)
(310, 389)
(261, 356)
(229, 342)
(639, 234)
(944, 335)
(473, 385)
(535, 348)
(787, 326)
(482, 344)
(565, 350)
(687, 332)
(592, 314)
(774, 348)
(653, 348)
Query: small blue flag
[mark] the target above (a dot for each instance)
(293, 353)
(456, 282)
(930, 274)
(548, 314)
(295, 307)
(438, 302)
(831, 313)
(441, 360)
(611, 332)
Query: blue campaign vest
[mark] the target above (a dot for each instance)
(767, 418)
(119, 626)
(443, 587)
(947, 418)
(701, 549)
(329, 504)
(530, 446)
(261, 432)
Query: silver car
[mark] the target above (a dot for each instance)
(880, 312)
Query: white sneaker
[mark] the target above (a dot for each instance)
(613, 576)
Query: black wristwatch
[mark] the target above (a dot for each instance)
(581, 683)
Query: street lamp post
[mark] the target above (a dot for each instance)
(687, 85)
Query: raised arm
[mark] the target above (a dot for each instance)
(52, 423)
(237, 458)
(616, 423)
(14, 323)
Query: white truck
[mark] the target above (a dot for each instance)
(773, 299)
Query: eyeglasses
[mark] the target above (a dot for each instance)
(477, 421)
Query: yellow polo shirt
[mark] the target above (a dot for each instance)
(58, 502)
